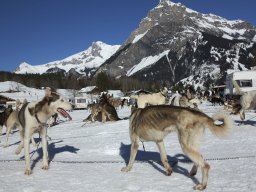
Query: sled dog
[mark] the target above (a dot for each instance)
(153, 123)
(107, 110)
(152, 99)
(95, 110)
(247, 100)
(33, 117)
(3, 117)
(12, 123)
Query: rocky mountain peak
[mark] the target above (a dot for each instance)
(173, 42)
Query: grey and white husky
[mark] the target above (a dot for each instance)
(153, 123)
(33, 118)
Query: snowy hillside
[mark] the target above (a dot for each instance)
(19, 91)
(90, 158)
(82, 62)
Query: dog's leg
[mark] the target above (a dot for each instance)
(194, 139)
(1, 130)
(197, 158)
(8, 130)
(27, 150)
(164, 159)
(93, 117)
(44, 146)
(134, 149)
(242, 115)
(103, 116)
(21, 145)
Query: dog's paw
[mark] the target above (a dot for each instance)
(200, 187)
(169, 172)
(45, 167)
(125, 169)
(28, 172)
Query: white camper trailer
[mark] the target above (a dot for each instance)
(80, 102)
(245, 79)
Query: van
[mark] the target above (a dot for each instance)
(80, 102)
(245, 79)
(11, 104)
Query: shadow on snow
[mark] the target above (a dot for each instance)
(52, 151)
(153, 158)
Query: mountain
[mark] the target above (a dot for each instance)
(174, 42)
(84, 62)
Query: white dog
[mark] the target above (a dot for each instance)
(247, 100)
(33, 117)
(151, 99)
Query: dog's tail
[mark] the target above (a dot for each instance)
(220, 129)
(237, 87)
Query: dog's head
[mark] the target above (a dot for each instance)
(54, 101)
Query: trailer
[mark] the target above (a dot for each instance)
(245, 79)
(80, 102)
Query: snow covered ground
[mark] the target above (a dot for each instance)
(90, 158)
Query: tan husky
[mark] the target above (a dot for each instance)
(153, 123)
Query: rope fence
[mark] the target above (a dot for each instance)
(137, 161)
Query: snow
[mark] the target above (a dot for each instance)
(254, 38)
(87, 89)
(90, 158)
(145, 62)
(92, 57)
(138, 37)
(225, 36)
(19, 91)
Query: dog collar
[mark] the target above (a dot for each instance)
(38, 121)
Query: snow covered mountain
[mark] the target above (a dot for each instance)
(83, 63)
(174, 42)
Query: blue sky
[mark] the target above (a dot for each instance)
(40, 31)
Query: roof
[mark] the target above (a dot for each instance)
(138, 92)
(115, 93)
(87, 89)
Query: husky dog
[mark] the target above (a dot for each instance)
(12, 123)
(107, 110)
(12, 120)
(152, 99)
(95, 110)
(247, 100)
(102, 111)
(33, 117)
(153, 123)
(3, 117)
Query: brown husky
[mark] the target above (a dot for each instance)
(107, 110)
(153, 123)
